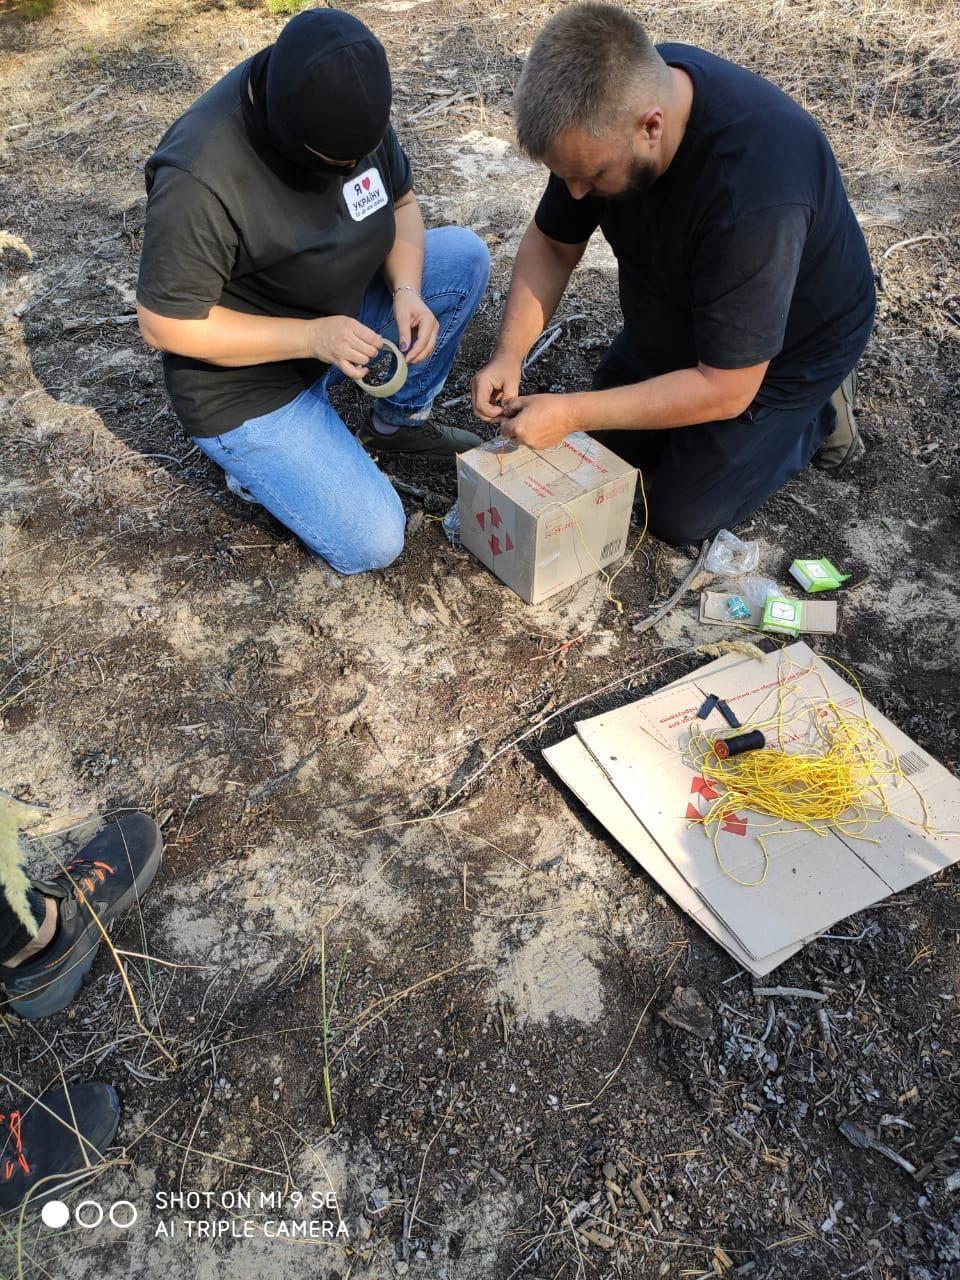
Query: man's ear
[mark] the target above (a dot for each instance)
(649, 127)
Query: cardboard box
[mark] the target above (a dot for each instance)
(816, 616)
(632, 769)
(542, 520)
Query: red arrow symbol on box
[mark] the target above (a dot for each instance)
(703, 787)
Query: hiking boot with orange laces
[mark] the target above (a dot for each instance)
(42, 1143)
(107, 877)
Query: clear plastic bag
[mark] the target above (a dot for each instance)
(451, 525)
(753, 587)
(236, 487)
(756, 588)
(729, 554)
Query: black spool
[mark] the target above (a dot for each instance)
(738, 744)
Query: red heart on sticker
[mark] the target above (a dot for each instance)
(366, 184)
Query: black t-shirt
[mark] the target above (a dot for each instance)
(231, 223)
(746, 249)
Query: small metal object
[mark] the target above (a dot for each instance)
(392, 385)
(738, 608)
(754, 740)
(727, 714)
(707, 707)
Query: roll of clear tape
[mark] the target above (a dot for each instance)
(392, 385)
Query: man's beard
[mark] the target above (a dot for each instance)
(643, 174)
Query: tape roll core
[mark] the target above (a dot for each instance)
(392, 385)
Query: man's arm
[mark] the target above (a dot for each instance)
(540, 274)
(679, 399)
(743, 273)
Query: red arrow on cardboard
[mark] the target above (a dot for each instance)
(702, 787)
(734, 824)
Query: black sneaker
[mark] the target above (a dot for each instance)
(46, 1141)
(428, 441)
(106, 877)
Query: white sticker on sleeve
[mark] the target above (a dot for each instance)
(364, 194)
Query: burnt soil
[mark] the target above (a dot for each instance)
(167, 647)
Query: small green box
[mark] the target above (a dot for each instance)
(817, 575)
(782, 615)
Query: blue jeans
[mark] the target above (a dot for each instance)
(304, 464)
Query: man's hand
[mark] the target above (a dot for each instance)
(416, 325)
(539, 421)
(344, 342)
(497, 382)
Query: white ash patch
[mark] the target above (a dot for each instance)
(480, 1228)
(553, 975)
(183, 930)
(879, 541)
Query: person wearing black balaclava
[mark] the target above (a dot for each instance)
(283, 241)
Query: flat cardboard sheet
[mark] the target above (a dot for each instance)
(817, 617)
(812, 880)
(574, 764)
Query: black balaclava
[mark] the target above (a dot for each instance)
(324, 85)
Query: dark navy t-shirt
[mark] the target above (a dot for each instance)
(746, 249)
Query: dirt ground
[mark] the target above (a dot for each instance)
(471, 982)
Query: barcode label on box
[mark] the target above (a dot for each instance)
(610, 549)
(911, 762)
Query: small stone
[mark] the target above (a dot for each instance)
(687, 1010)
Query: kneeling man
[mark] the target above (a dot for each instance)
(745, 284)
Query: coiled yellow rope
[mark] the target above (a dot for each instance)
(834, 777)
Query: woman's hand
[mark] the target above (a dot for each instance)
(494, 384)
(344, 342)
(417, 326)
(539, 421)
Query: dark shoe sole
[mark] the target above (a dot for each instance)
(58, 994)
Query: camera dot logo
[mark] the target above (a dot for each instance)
(123, 1219)
(55, 1214)
(89, 1214)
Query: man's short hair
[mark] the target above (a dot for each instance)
(587, 66)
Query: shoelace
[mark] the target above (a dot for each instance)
(10, 1166)
(95, 874)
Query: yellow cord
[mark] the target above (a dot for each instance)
(610, 578)
(835, 777)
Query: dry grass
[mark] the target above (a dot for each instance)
(883, 79)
